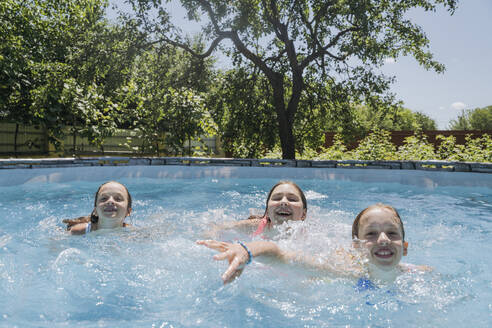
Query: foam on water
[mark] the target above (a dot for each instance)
(154, 274)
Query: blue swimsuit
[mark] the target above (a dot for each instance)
(364, 284)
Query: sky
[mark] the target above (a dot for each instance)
(462, 42)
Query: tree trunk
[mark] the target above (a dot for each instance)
(287, 140)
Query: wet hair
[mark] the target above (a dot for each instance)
(355, 225)
(94, 217)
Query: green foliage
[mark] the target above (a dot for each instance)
(276, 153)
(447, 148)
(308, 153)
(301, 68)
(184, 117)
(479, 149)
(424, 122)
(416, 148)
(394, 118)
(301, 45)
(376, 146)
(93, 114)
(475, 149)
(240, 104)
(163, 100)
(475, 119)
(338, 151)
(60, 64)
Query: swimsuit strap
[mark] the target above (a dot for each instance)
(261, 226)
(88, 227)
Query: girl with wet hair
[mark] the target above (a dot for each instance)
(112, 204)
(285, 202)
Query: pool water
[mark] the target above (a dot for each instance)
(154, 275)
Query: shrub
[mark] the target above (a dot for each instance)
(447, 148)
(476, 149)
(416, 148)
(308, 153)
(337, 151)
(275, 153)
(376, 146)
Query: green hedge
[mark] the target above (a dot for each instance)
(378, 146)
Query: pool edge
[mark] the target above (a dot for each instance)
(28, 163)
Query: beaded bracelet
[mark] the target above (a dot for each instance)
(250, 256)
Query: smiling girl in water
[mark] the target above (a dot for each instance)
(285, 202)
(112, 204)
(377, 234)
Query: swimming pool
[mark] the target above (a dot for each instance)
(155, 276)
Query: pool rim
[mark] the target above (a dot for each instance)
(434, 165)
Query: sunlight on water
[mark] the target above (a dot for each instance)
(153, 274)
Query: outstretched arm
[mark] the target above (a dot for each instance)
(238, 256)
(340, 264)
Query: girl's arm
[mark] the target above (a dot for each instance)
(79, 225)
(79, 229)
(237, 256)
(248, 224)
(415, 267)
(71, 222)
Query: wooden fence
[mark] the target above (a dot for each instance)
(398, 137)
(33, 142)
(30, 140)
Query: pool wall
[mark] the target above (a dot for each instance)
(422, 178)
(198, 161)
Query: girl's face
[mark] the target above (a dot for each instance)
(285, 203)
(381, 233)
(112, 202)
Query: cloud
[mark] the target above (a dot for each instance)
(389, 60)
(458, 105)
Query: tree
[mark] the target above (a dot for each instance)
(60, 64)
(394, 119)
(19, 32)
(239, 103)
(164, 99)
(473, 119)
(290, 41)
(425, 122)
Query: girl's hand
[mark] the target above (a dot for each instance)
(234, 253)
